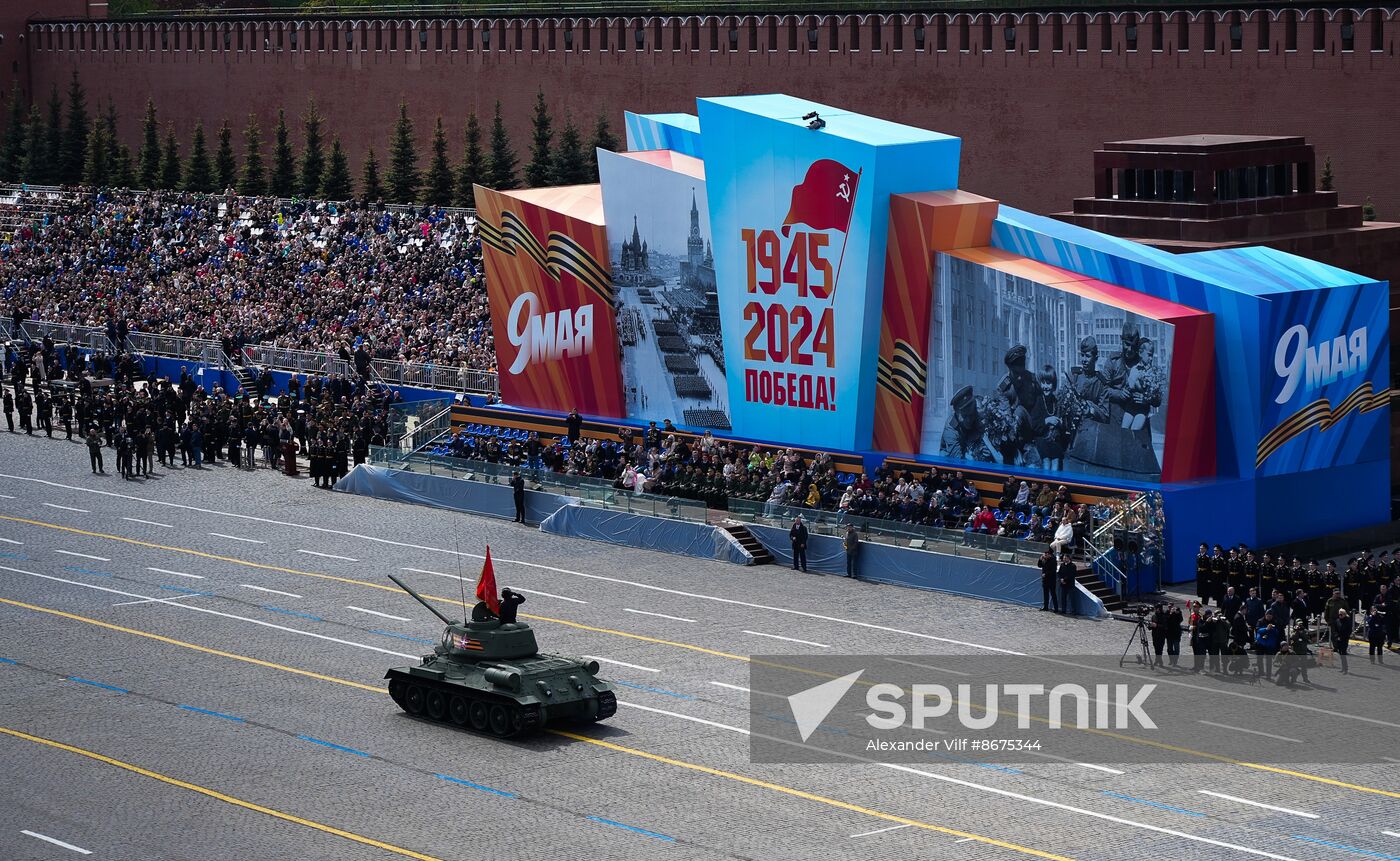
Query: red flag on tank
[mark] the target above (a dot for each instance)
(823, 199)
(486, 586)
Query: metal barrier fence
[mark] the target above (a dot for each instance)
(957, 542)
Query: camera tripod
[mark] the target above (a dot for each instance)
(1139, 635)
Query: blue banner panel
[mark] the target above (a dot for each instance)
(679, 132)
(1326, 380)
(799, 203)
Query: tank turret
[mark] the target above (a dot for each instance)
(488, 674)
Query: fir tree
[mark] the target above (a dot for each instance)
(313, 159)
(602, 139)
(337, 184)
(199, 174)
(473, 167)
(75, 134)
(170, 166)
(438, 190)
(149, 154)
(570, 161)
(225, 167)
(113, 141)
(1368, 210)
(12, 145)
(403, 160)
(53, 144)
(95, 165)
(253, 181)
(540, 170)
(283, 181)
(32, 167)
(1327, 179)
(122, 173)
(502, 172)
(370, 185)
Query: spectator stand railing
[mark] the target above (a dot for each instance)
(297, 361)
(445, 378)
(584, 487)
(417, 424)
(954, 542)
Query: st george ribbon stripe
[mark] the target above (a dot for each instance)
(1320, 414)
(561, 254)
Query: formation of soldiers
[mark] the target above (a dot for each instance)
(1218, 570)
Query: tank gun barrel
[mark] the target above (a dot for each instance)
(420, 599)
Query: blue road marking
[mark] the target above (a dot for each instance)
(98, 685)
(333, 746)
(652, 690)
(19, 556)
(81, 570)
(634, 829)
(292, 613)
(402, 636)
(1157, 804)
(460, 781)
(965, 761)
(785, 719)
(184, 590)
(1368, 853)
(7, 661)
(211, 714)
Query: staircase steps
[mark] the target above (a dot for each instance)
(746, 540)
(1095, 584)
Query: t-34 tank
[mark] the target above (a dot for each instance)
(488, 674)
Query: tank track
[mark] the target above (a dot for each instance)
(480, 712)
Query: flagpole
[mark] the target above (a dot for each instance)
(840, 261)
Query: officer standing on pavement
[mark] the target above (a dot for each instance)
(517, 491)
(798, 535)
(851, 544)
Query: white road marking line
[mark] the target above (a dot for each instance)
(927, 667)
(732, 687)
(377, 613)
(11, 541)
(1239, 800)
(658, 615)
(391, 542)
(66, 508)
(690, 718)
(1391, 833)
(176, 573)
(328, 556)
(1390, 759)
(426, 571)
(237, 538)
(47, 839)
(149, 522)
(623, 664)
(217, 613)
(965, 839)
(789, 639)
(83, 555)
(1250, 731)
(5, 496)
(156, 600)
(550, 595)
(879, 831)
(273, 591)
(1102, 768)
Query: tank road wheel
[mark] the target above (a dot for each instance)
(479, 716)
(413, 700)
(396, 691)
(501, 724)
(436, 705)
(459, 710)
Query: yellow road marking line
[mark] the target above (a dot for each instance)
(809, 796)
(752, 781)
(182, 644)
(454, 601)
(219, 796)
(354, 582)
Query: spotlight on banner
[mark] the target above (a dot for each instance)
(814, 122)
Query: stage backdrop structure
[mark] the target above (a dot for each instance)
(795, 274)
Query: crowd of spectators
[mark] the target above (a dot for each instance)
(111, 402)
(783, 480)
(405, 284)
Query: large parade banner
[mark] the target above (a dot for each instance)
(1326, 389)
(663, 270)
(551, 294)
(799, 210)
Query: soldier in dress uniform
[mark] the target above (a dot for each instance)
(1284, 577)
(1317, 588)
(1351, 585)
(1268, 577)
(1203, 573)
(1331, 578)
(1250, 578)
(1370, 582)
(1219, 574)
(1239, 564)
(317, 456)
